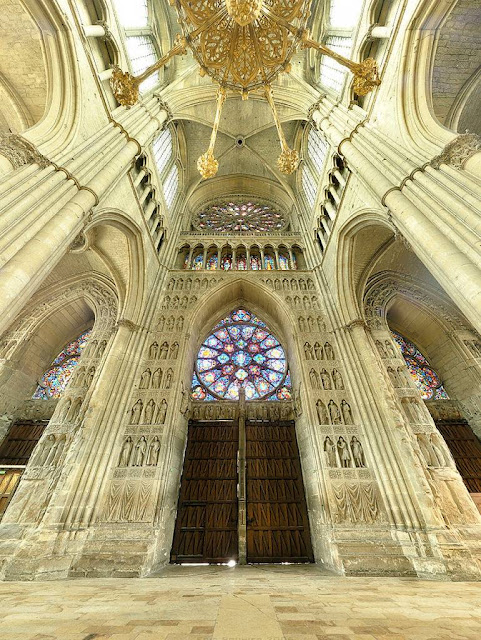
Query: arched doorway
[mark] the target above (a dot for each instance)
(242, 496)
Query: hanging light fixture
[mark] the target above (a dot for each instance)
(243, 45)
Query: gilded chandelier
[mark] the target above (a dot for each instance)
(243, 45)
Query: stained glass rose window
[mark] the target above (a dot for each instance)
(235, 217)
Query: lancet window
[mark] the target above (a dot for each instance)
(55, 380)
(134, 17)
(241, 258)
(171, 186)
(309, 185)
(241, 352)
(424, 376)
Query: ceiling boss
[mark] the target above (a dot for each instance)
(243, 45)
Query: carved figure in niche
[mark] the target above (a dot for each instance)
(315, 303)
(393, 377)
(153, 351)
(80, 378)
(136, 411)
(297, 302)
(334, 412)
(188, 284)
(302, 284)
(357, 452)
(285, 284)
(179, 284)
(162, 412)
(337, 379)
(321, 325)
(319, 351)
(294, 284)
(90, 350)
(184, 302)
(390, 349)
(426, 451)
(60, 447)
(75, 409)
(126, 452)
(140, 451)
(314, 379)
(344, 453)
(322, 412)
(310, 324)
(438, 452)
(180, 323)
(170, 323)
(197, 283)
(289, 300)
(277, 284)
(346, 412)
(149, 411)
(404, 377)
(193, 299)
(418, 412)
(161, 323)
(330, 452)
(175, 302)
(64, 410)
(209, 412)
(145, 379)
(101, 349)
(166, 303)
(380, 348)
(326, 380)
(156, 379)
(168, 378)
(195, 413)
(308, 351)
(46, 447)
(477, 347)
(164, 350)
(171, 285)
(49, 460)
(269, 283)
(310, 284)
(306, 302)
(328, 351)
(89, 377)
(153, 455)
(302, 324)
(174, 351)
(205, 283)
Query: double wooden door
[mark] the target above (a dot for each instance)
(208, 524)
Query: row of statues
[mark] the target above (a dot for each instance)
(291, 285)
(474, 346)
(139, 452)
(324, 380)
(49, 451)
(95, 349)
(178, 303)
(399, 377)
(83, 377)
(188, 284)
(387, 349)
(164, 352)
(319, 352)
(150, 414)
(305, 302)
(170, 323)
(149, 380)
(343, 454)
(333, 414)
(311, 324)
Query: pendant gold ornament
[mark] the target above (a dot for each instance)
(243, 45)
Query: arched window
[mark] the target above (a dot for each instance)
(171, 186)
(343, 17)
(425, 378)
(317, 148)
(163, 150)
(241, 352)
(134, 17)
(54, 381)
(235, 217)
(308, 185)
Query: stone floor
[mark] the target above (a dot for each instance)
(244, 603)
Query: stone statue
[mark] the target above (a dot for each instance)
(136, 411)
(153, 351)
(357, 452)
(145, 379)
(153, 455)
(46, 448)
(89, 377)
(64, 410)
(162, 412)
(328, 351)
(51, 453)
(180, 323)
(126, 453)
(80, 379)
(330, 452)
(308, 351)
(318, 350)
(314, 379)
(168, 379)
(322, 412)
(101, 349)
(346, 412)
(157, 379)
(344, 454)
(390, 349)
(310, 323)
(170, 323)
(164, 350)
(334, 412)
(174, 350)
(338, 381)
(149, 412)
(302, 324)
(161, 323)
(380, 348)
(326, 380)
(140, 450)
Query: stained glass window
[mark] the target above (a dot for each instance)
(55, 379)
(198, 262)
(255, 263)
(425, 378)
(283, 262)
(226, 262)
(294, 261)
(241, 352)
(269, 263)
(241, 262)
(212, 262)
(235, 217)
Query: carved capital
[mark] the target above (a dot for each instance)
(21, 152)
(123, 322)
(458, 151)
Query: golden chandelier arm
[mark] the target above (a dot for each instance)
(125, 86)
(366, 74)
(207, 164)
(288, 161)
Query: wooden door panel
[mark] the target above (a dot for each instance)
(206, 526)
(278, 527)
(466, 450)
(8, 483)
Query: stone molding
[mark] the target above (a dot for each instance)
(20, 152)
(457, 152)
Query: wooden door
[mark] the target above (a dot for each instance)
(17, 447)
(277, 522)
(466, 451)
(9, 479)
(206, 526)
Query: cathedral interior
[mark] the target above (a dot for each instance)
(240, 313)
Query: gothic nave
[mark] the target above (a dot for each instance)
(240, 318)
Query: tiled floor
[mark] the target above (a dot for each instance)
(244, 603)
